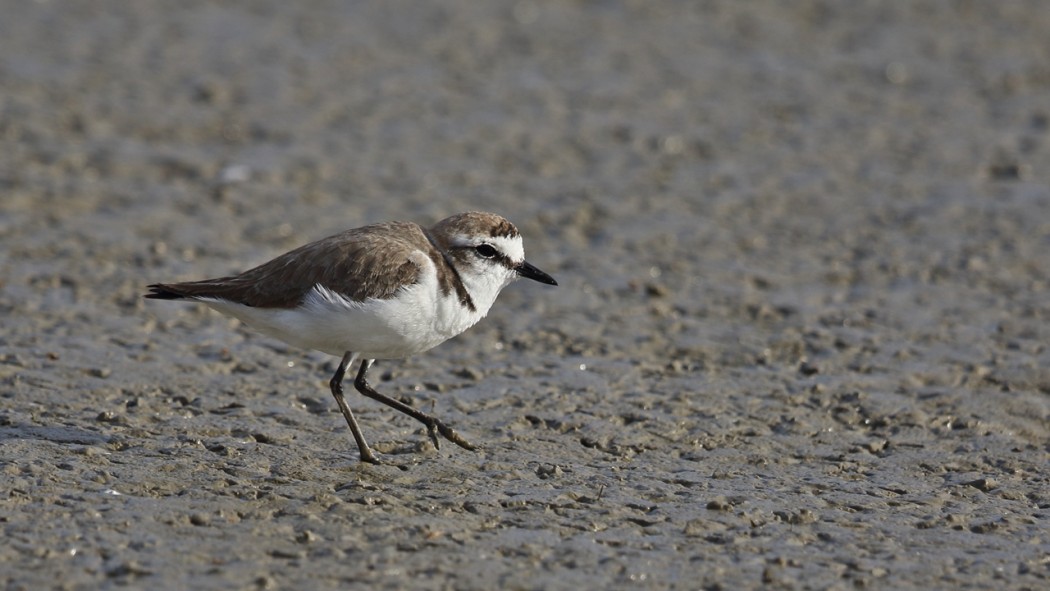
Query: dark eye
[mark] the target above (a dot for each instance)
(485, 250)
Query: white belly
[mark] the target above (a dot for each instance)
(417, 319)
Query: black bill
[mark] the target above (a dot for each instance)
(530, 272)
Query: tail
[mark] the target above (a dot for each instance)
(159, 291)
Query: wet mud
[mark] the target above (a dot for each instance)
(800, 337)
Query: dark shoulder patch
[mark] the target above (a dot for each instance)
(447, 275)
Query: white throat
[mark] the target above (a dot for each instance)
(486, 278)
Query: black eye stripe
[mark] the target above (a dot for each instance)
(486, 250)
(482, 250)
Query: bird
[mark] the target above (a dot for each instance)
(378, 292)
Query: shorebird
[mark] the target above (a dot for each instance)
(384, 291)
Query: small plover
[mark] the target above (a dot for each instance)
(384, 291)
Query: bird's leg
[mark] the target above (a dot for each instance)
(337, 391)
(433, 425)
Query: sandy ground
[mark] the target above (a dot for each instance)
(800, 339)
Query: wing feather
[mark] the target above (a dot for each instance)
(369, 262)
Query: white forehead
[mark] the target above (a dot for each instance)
(511, 246)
